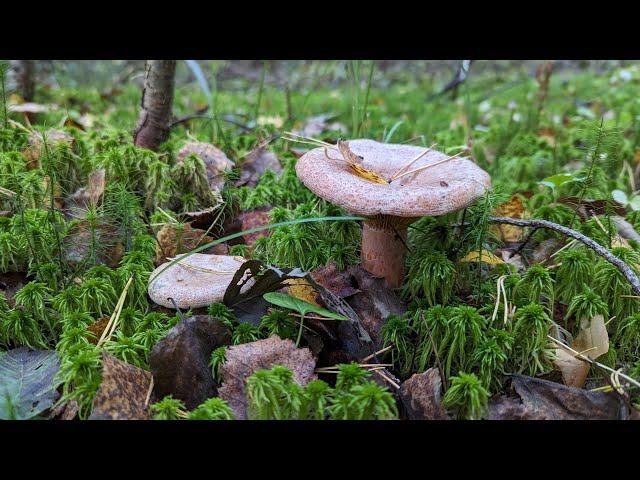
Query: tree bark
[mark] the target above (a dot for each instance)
(157, 101)
(24, 73)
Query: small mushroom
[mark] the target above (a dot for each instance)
(411, 192)
(197, 281)
(215, 160)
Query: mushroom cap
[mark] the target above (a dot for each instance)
(197, 281)
(441, 189)
(53, 137)
(216, 162)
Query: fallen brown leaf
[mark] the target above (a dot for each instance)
(122, 393)
(173, 240)
(244, 360)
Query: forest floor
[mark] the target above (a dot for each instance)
(520, 304)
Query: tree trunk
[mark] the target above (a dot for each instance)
(157, 100)
(24, 73)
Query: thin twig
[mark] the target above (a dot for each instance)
(404, 168)
(416, 170)
(369, 357)
(628, 273)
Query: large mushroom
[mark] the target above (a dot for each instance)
(196, 281)
(403, 192)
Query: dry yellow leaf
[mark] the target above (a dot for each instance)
(485, 257)
(514, 208)
(355, 164)
(367, 174)
(302, 290)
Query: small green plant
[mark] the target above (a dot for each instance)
(491, 358)
(279, 323)
(365, 401)
(613, 287)
(587, 305)
(430, 326)
(212, 409)
(575, 271)
(467, 397)
(397, 331)
(465, 329)
(269, 394)
(273, 394)
(223, 313)
(628, 336)
(81, 374)
(245, 333)
(536, 285)
(433, 274)
(168, 408)
(532, 353)
(218, 357)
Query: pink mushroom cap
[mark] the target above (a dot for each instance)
(443, 188)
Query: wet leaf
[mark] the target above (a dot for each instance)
(27, 382)
(180, 361)
(537, 399)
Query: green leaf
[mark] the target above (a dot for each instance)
(27, 383)
(620, 197)
(555, 181)
(635, 203)
(300, 306)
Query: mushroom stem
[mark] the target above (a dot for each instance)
(384, 250)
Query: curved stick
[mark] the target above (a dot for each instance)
(625, 269)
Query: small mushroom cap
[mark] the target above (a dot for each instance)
(438, 190)
(197, 281)
(214, 159)
(53, 137)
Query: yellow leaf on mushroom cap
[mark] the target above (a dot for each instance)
(485, 257)
(355, 164)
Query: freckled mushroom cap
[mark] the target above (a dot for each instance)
(438, 190)
(197, 281)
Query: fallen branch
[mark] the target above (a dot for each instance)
(625, 269)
